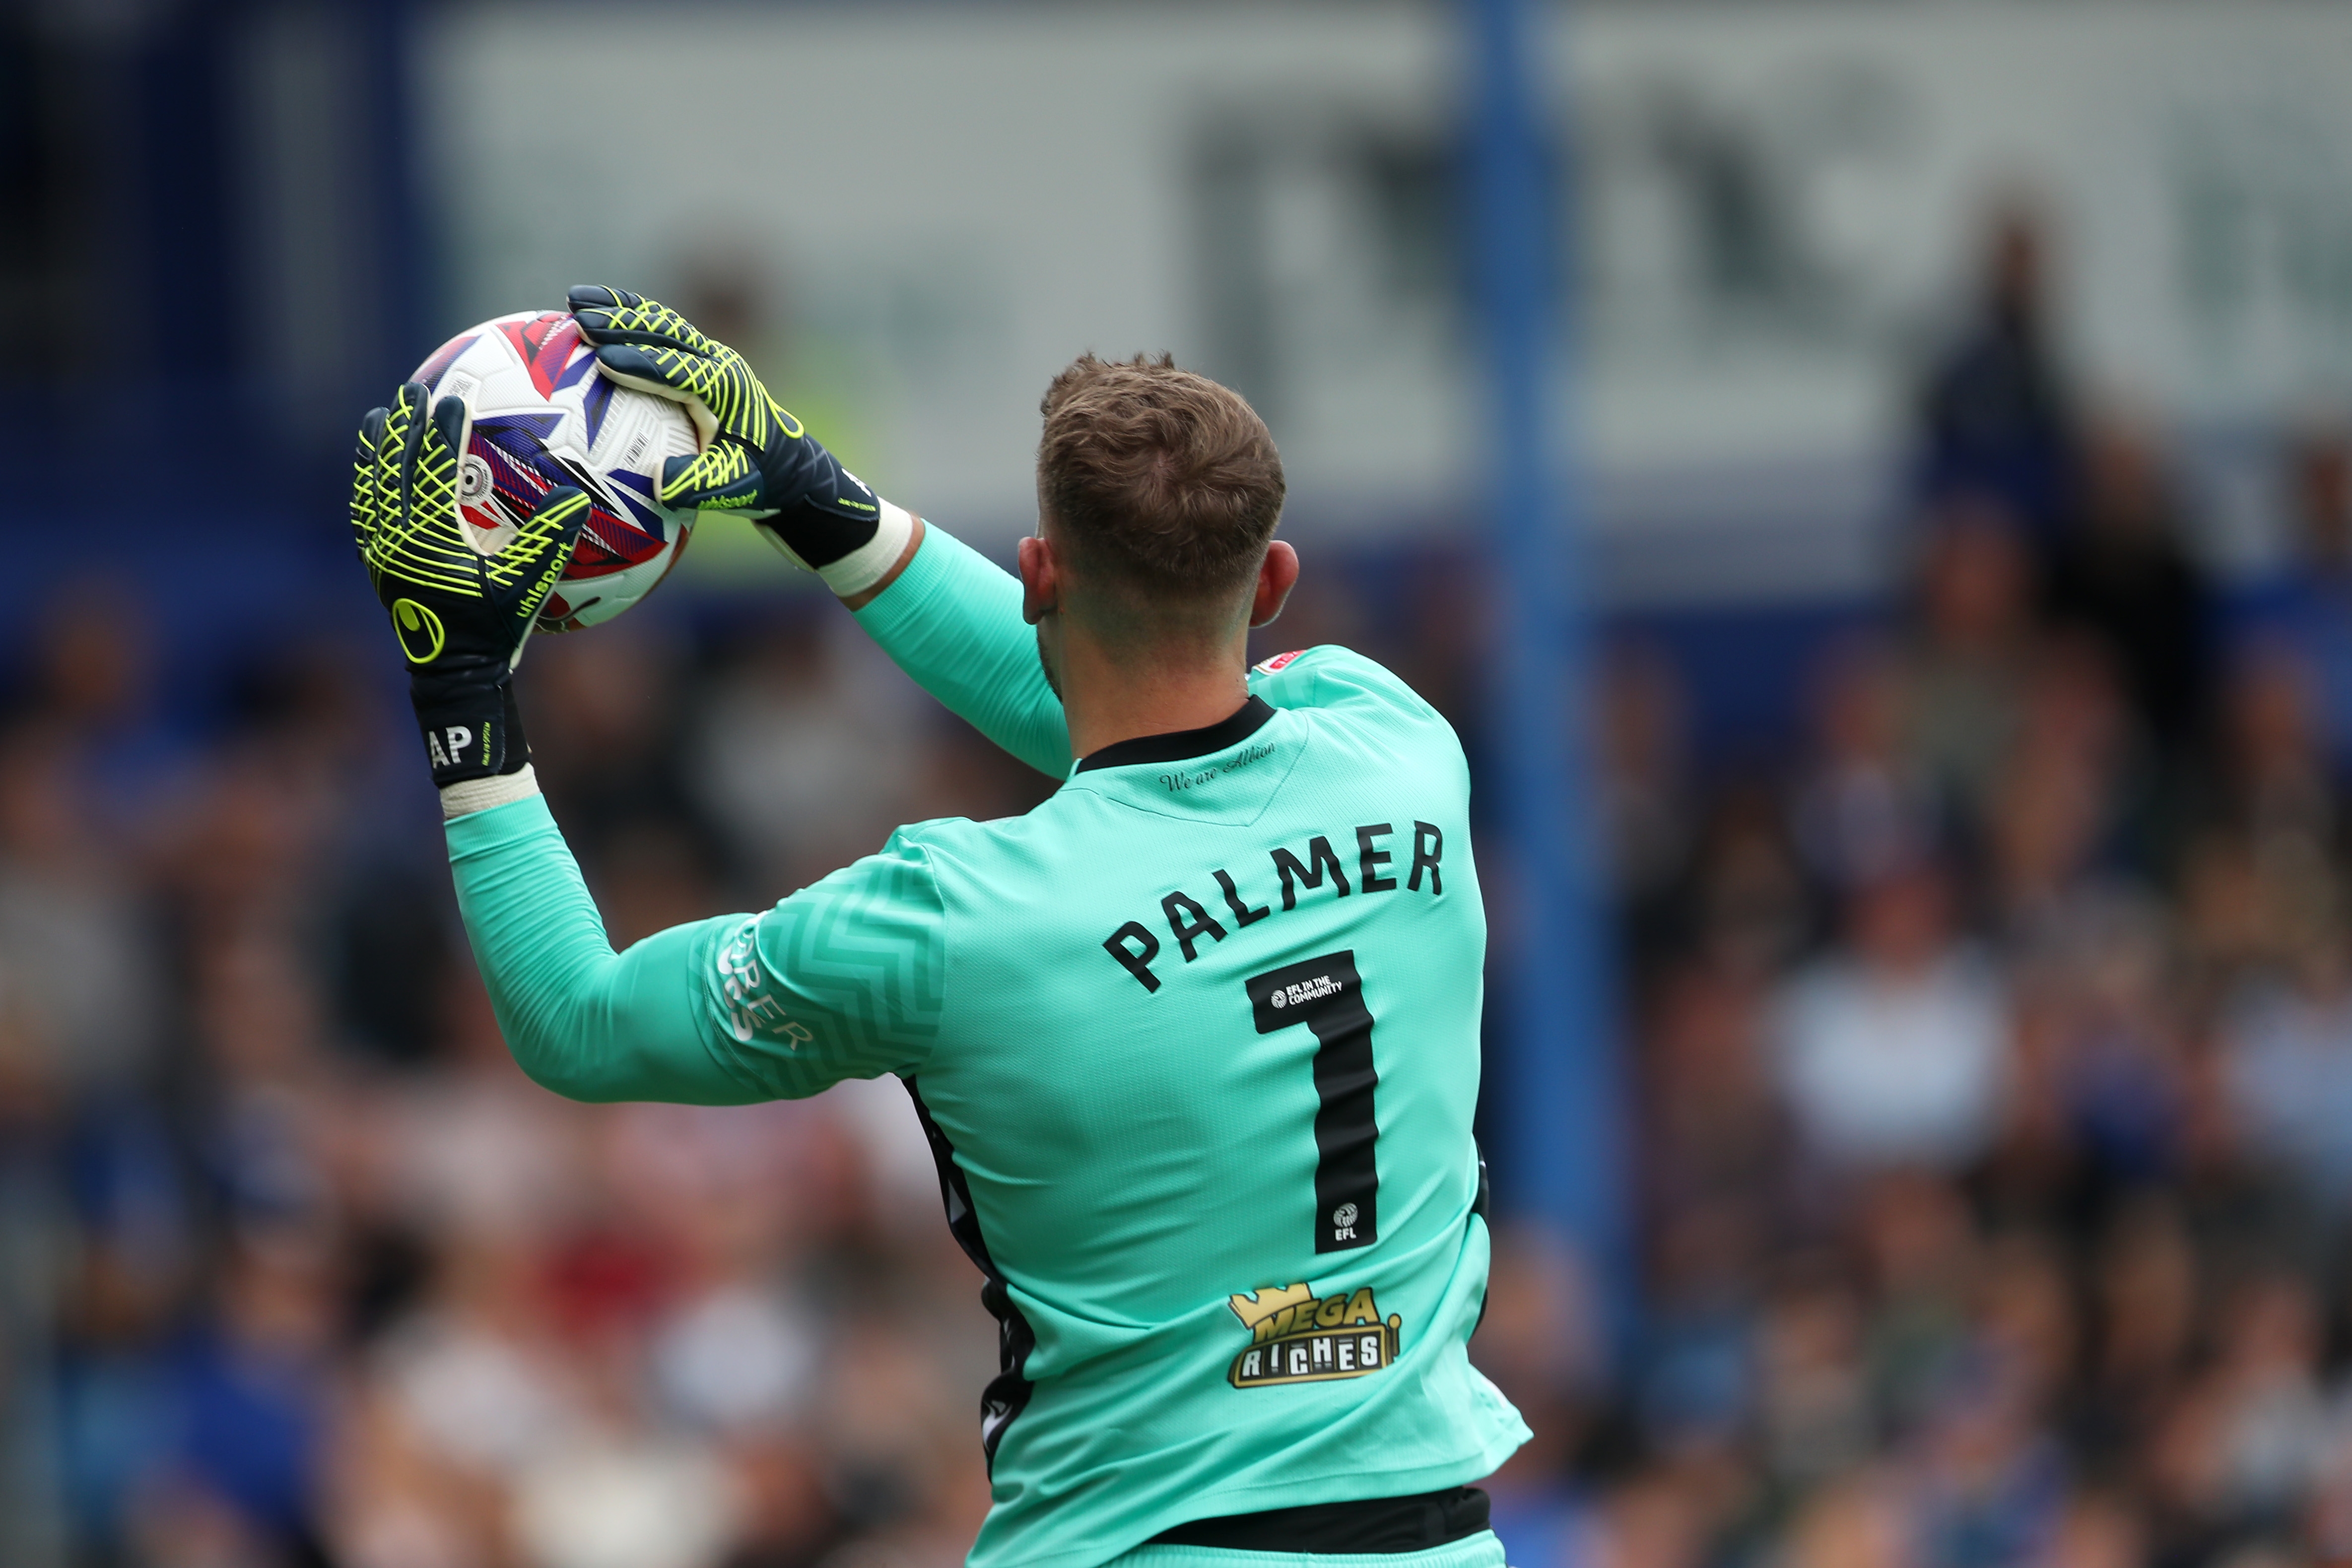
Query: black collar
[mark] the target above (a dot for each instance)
(1178, 745)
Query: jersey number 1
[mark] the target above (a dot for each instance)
(1326, 995)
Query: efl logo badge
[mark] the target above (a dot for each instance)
(1296, 1338)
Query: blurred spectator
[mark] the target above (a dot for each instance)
(2124, 573)
(2242, 1444)
(2271, 786)
(1746, 904)
(1969, 660)
(1645, 808)
(806, 754)
(2319, 499)
(2061, 809)
(2146, 1302)
(1920, 1252)
(1991, 1480)
(2290, 1066)
(1862, 806)
(2119, 1050)
(1996, 414)
(1715, 1134)
(1444, 594)
(251, 1396)
(607, 731)
(68, 891)
(2311, 610)
(1812, 1394)
(1893, 1053)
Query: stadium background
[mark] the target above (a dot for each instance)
(1953, 425)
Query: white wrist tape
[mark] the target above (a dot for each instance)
(870, 562)
(481, 794)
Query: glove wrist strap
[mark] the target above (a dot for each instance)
(869, 563)
(473, 795)
(469, 732)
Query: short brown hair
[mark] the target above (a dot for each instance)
(1161, 479)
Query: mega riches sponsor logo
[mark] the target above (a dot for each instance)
(1296, 1336)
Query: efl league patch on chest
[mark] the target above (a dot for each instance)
(1296, 1336)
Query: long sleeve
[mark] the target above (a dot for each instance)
(841, 980)
(952, 620)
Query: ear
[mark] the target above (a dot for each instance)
(1276, 576)
(1041, 579)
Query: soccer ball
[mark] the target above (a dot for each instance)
(544, 415)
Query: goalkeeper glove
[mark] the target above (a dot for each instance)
(461, 617)
(756, 460)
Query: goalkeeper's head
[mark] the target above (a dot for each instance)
(1158, 493)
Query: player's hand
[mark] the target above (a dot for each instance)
(756, 459)
(461, 617)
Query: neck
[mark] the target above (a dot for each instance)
(1108, 699)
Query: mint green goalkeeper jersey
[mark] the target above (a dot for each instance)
(1195, 1044)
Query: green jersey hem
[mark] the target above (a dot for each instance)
(1345, 1486)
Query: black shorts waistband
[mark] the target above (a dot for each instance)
(1383, 1525)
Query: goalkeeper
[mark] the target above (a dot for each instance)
(1195, 1042)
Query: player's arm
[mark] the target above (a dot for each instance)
(839, 980)
(582, 1019)
(951, 620)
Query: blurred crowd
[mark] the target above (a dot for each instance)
(1990, 1050)
(297, 1268)
(1992, 1041)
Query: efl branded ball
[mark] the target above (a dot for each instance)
(544, 415)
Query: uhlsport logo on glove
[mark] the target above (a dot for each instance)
(419, 630)
(460, 616)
